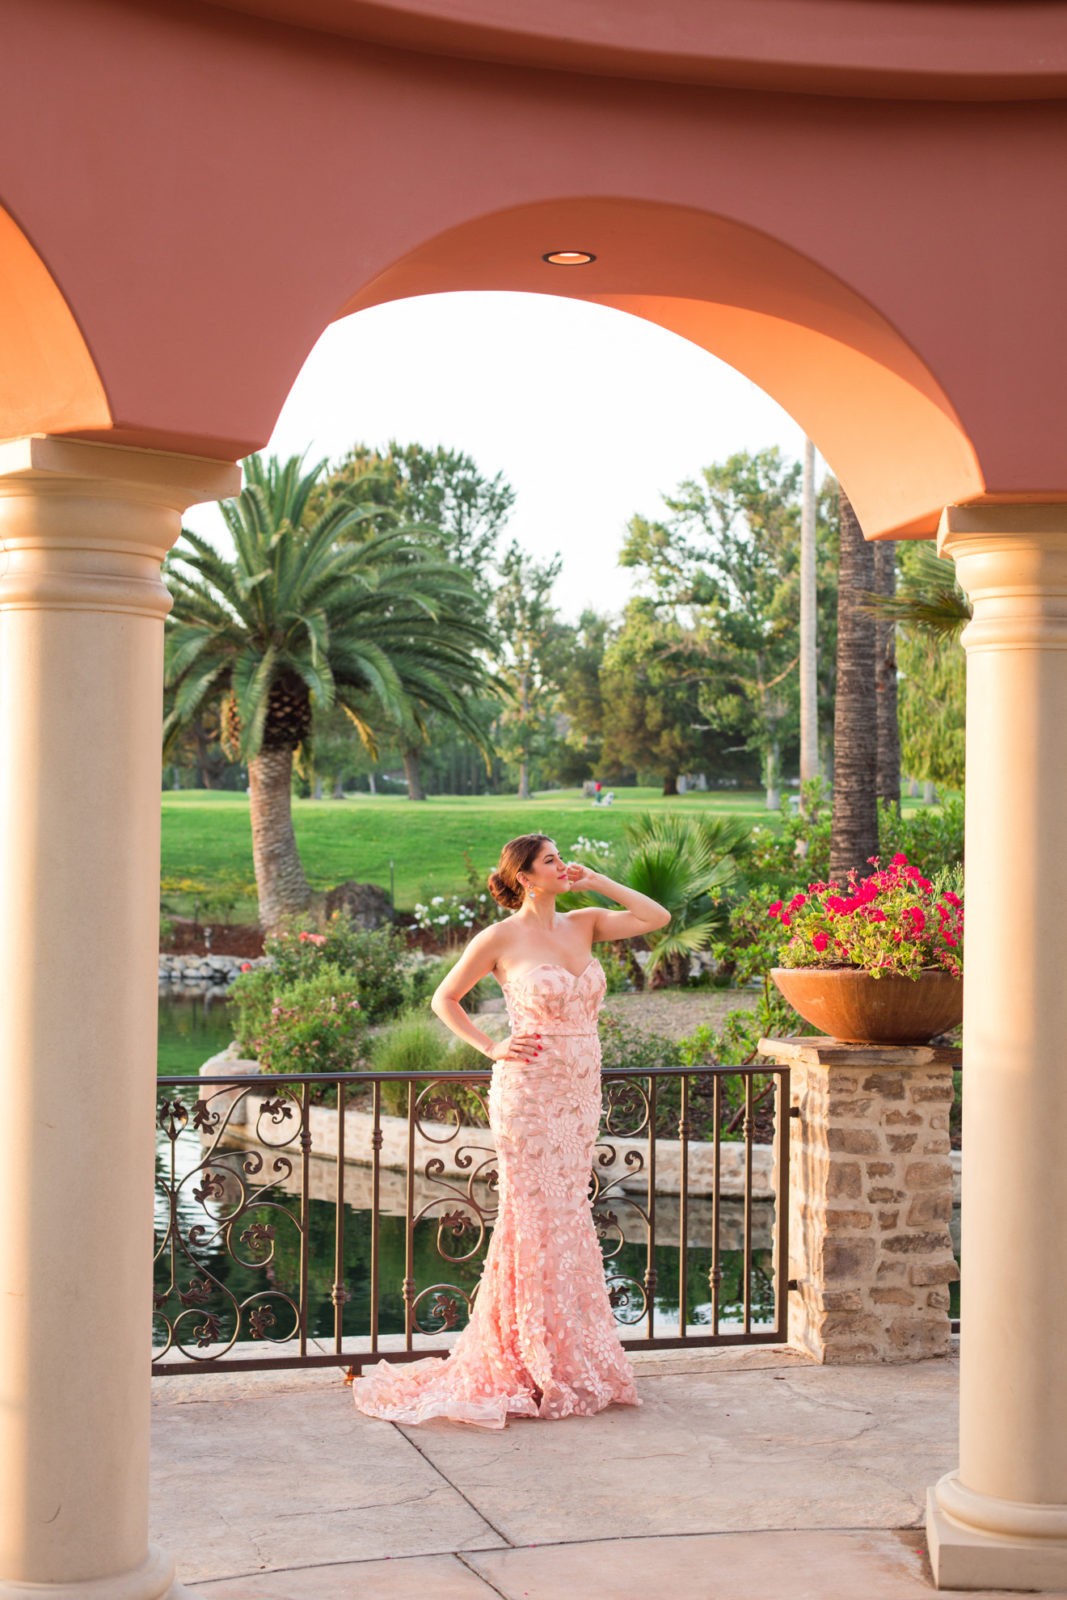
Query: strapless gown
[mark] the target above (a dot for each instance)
(541, 1340)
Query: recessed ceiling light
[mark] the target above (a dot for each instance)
(569, 258)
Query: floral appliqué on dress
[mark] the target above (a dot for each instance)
(542, 1340)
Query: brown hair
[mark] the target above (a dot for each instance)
(517, 856)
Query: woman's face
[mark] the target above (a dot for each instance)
(546, 874)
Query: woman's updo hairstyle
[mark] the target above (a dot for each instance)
(518, 855)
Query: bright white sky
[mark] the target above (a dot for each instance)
(589, 413)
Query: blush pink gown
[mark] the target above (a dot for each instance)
(541, 1341)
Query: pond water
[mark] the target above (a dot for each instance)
(191, 1028)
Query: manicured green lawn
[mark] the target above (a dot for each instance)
(207, 837)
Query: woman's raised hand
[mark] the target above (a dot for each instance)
(579, 877)
(517, 1047)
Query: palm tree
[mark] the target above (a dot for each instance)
(928, 599)
(300, 619)
(687, 864)
(887, 779)
(854, 822)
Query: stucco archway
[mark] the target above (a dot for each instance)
(198, 191)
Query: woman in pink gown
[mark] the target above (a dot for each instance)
(541, 1340)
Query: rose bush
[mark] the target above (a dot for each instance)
(894, 921)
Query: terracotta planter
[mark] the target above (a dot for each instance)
(858, 1009)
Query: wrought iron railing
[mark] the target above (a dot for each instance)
(298, 1223)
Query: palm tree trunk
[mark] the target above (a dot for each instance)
(854, 821)
(283, 889)
(412, 774)
(885, 678)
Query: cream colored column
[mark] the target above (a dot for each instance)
(1000, 1520)
(83, 528)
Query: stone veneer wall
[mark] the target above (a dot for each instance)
(870, 1199)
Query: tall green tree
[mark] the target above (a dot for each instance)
(525, 625)
(455, 509)
(726, 560)
(650, 688)
(576, 665)
(443, 492)
(930, 610)
(300, 619)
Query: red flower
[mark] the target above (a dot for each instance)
(775, 910)
(820, 941)
(797, 901)
(246, 966)
(899, 860)
(953, 899)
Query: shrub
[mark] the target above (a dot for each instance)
(933, 835)
(424, 976)
(252, 994)
(315, 1024)
(375, 957)
(622, 973)
(416, 1044)
(800, 844)
(623, 1045)
(688, 865)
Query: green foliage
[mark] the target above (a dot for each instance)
(416, 1044)
(725, 560)
(315, 1024)
(578, 652)
(621, 971)
(380, 626)
(932, 835)
(933, 701)
(252, 995)
(423, 978)
(651, 712)
(749, 946)
(525, 625)
(800, 844)
(687, 865)
(374, 958)
(931, 611)
(440, 491)
(624, 1045)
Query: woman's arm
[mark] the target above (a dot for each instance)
(642, 913)
(476, 962)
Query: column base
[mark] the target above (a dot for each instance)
(994, 1544)
(152, 1580)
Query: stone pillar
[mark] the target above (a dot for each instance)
(1000, 1520)
(83, 528)
(870, 1197)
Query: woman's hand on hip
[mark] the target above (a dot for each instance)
(517, 1047)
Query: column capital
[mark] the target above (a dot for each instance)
(84, 526)
(1011, 560)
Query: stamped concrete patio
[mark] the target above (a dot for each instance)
(746, 1475)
